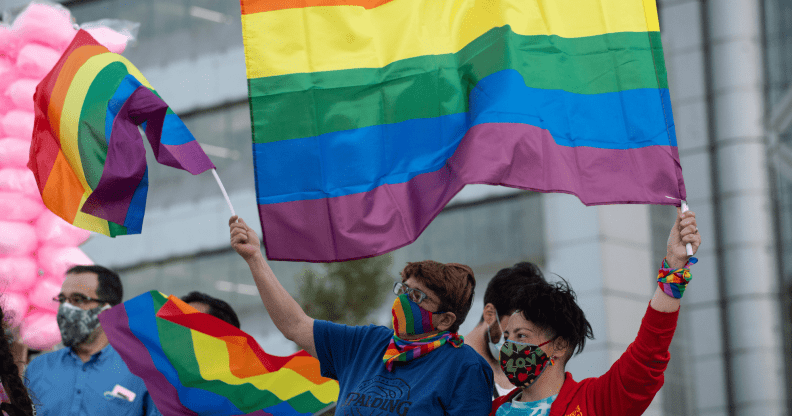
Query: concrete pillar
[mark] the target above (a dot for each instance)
(753, 348)
(685, 48)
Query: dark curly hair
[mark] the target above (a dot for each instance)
(501, 288)
(553, 308)
(21, 404)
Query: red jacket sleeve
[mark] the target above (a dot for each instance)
(631, 383)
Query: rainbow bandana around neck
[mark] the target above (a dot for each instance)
(409, 318)
(400, 350)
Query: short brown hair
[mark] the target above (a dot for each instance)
(453, 283)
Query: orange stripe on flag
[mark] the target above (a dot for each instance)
(63, 192)
(258, 6)
(243, 361)
(306, 367)
(70, 67)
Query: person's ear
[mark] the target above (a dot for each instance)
(445, 321)
(490, 314)
(560, 348)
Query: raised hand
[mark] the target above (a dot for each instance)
(243, 239)
(683, 232)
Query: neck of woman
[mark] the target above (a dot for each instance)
(548, 384)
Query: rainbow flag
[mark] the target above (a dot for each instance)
(195, 364)
(370, 115)
(87, 154)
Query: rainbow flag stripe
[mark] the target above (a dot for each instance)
(87, 154)
(195, 364)
(370, 115)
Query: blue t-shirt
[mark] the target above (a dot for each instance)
(61, 384)
(446, 381)
(518, 408)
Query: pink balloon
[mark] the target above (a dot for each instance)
(15, 206)
(14, 152)
(56, 260)
(40, 331)
(44, 23)
(36, 61)
(17, 238)
(21, 93)
(109, 38)
(18, 180)
(18, 123)
(52, 230)
(15, 307)
(17, 274)
(42, 293)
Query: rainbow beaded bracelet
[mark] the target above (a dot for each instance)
(674, 281)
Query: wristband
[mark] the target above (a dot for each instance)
(673, 281)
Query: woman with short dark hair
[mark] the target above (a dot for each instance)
(420, 367)
(549, 327)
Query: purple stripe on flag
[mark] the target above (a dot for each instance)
(126, 156)
(115, 323)
(509, 154)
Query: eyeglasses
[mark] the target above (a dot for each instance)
(415, 295)
(76, 299)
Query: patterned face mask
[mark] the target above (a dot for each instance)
(77, 324)
(409, 318)
(523, 363)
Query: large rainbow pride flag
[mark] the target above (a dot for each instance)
(196, 364)
(370, 115)
(87, 154)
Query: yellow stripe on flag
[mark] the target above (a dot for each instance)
(328, 38)
(212, 356)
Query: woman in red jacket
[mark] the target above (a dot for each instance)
(549, 327)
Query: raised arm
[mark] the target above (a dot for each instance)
(285, 312)
(683, 232)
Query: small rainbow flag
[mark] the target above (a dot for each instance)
(196, 364)
(87, 154)
(370, 115)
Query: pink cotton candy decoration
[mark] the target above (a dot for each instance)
(56, 260)
(8, 75)
(18, 180)
(40, 331)
(17, 207)
(54, 231)
(21, 93)
(14, 152)
(17, 274)
(36, 60)
(17, 238)
(15, 307)
(9, 43)
(109, 38)
(46, 24)
(18, 123)
(42, 293)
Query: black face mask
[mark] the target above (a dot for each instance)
(77, 324)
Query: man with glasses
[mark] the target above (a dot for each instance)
(87, 376)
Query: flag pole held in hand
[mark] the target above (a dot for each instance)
(222, 188)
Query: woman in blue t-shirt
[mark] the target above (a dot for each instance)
(421, 367)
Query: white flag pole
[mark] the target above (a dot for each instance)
(225, 194)
(688, 247)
